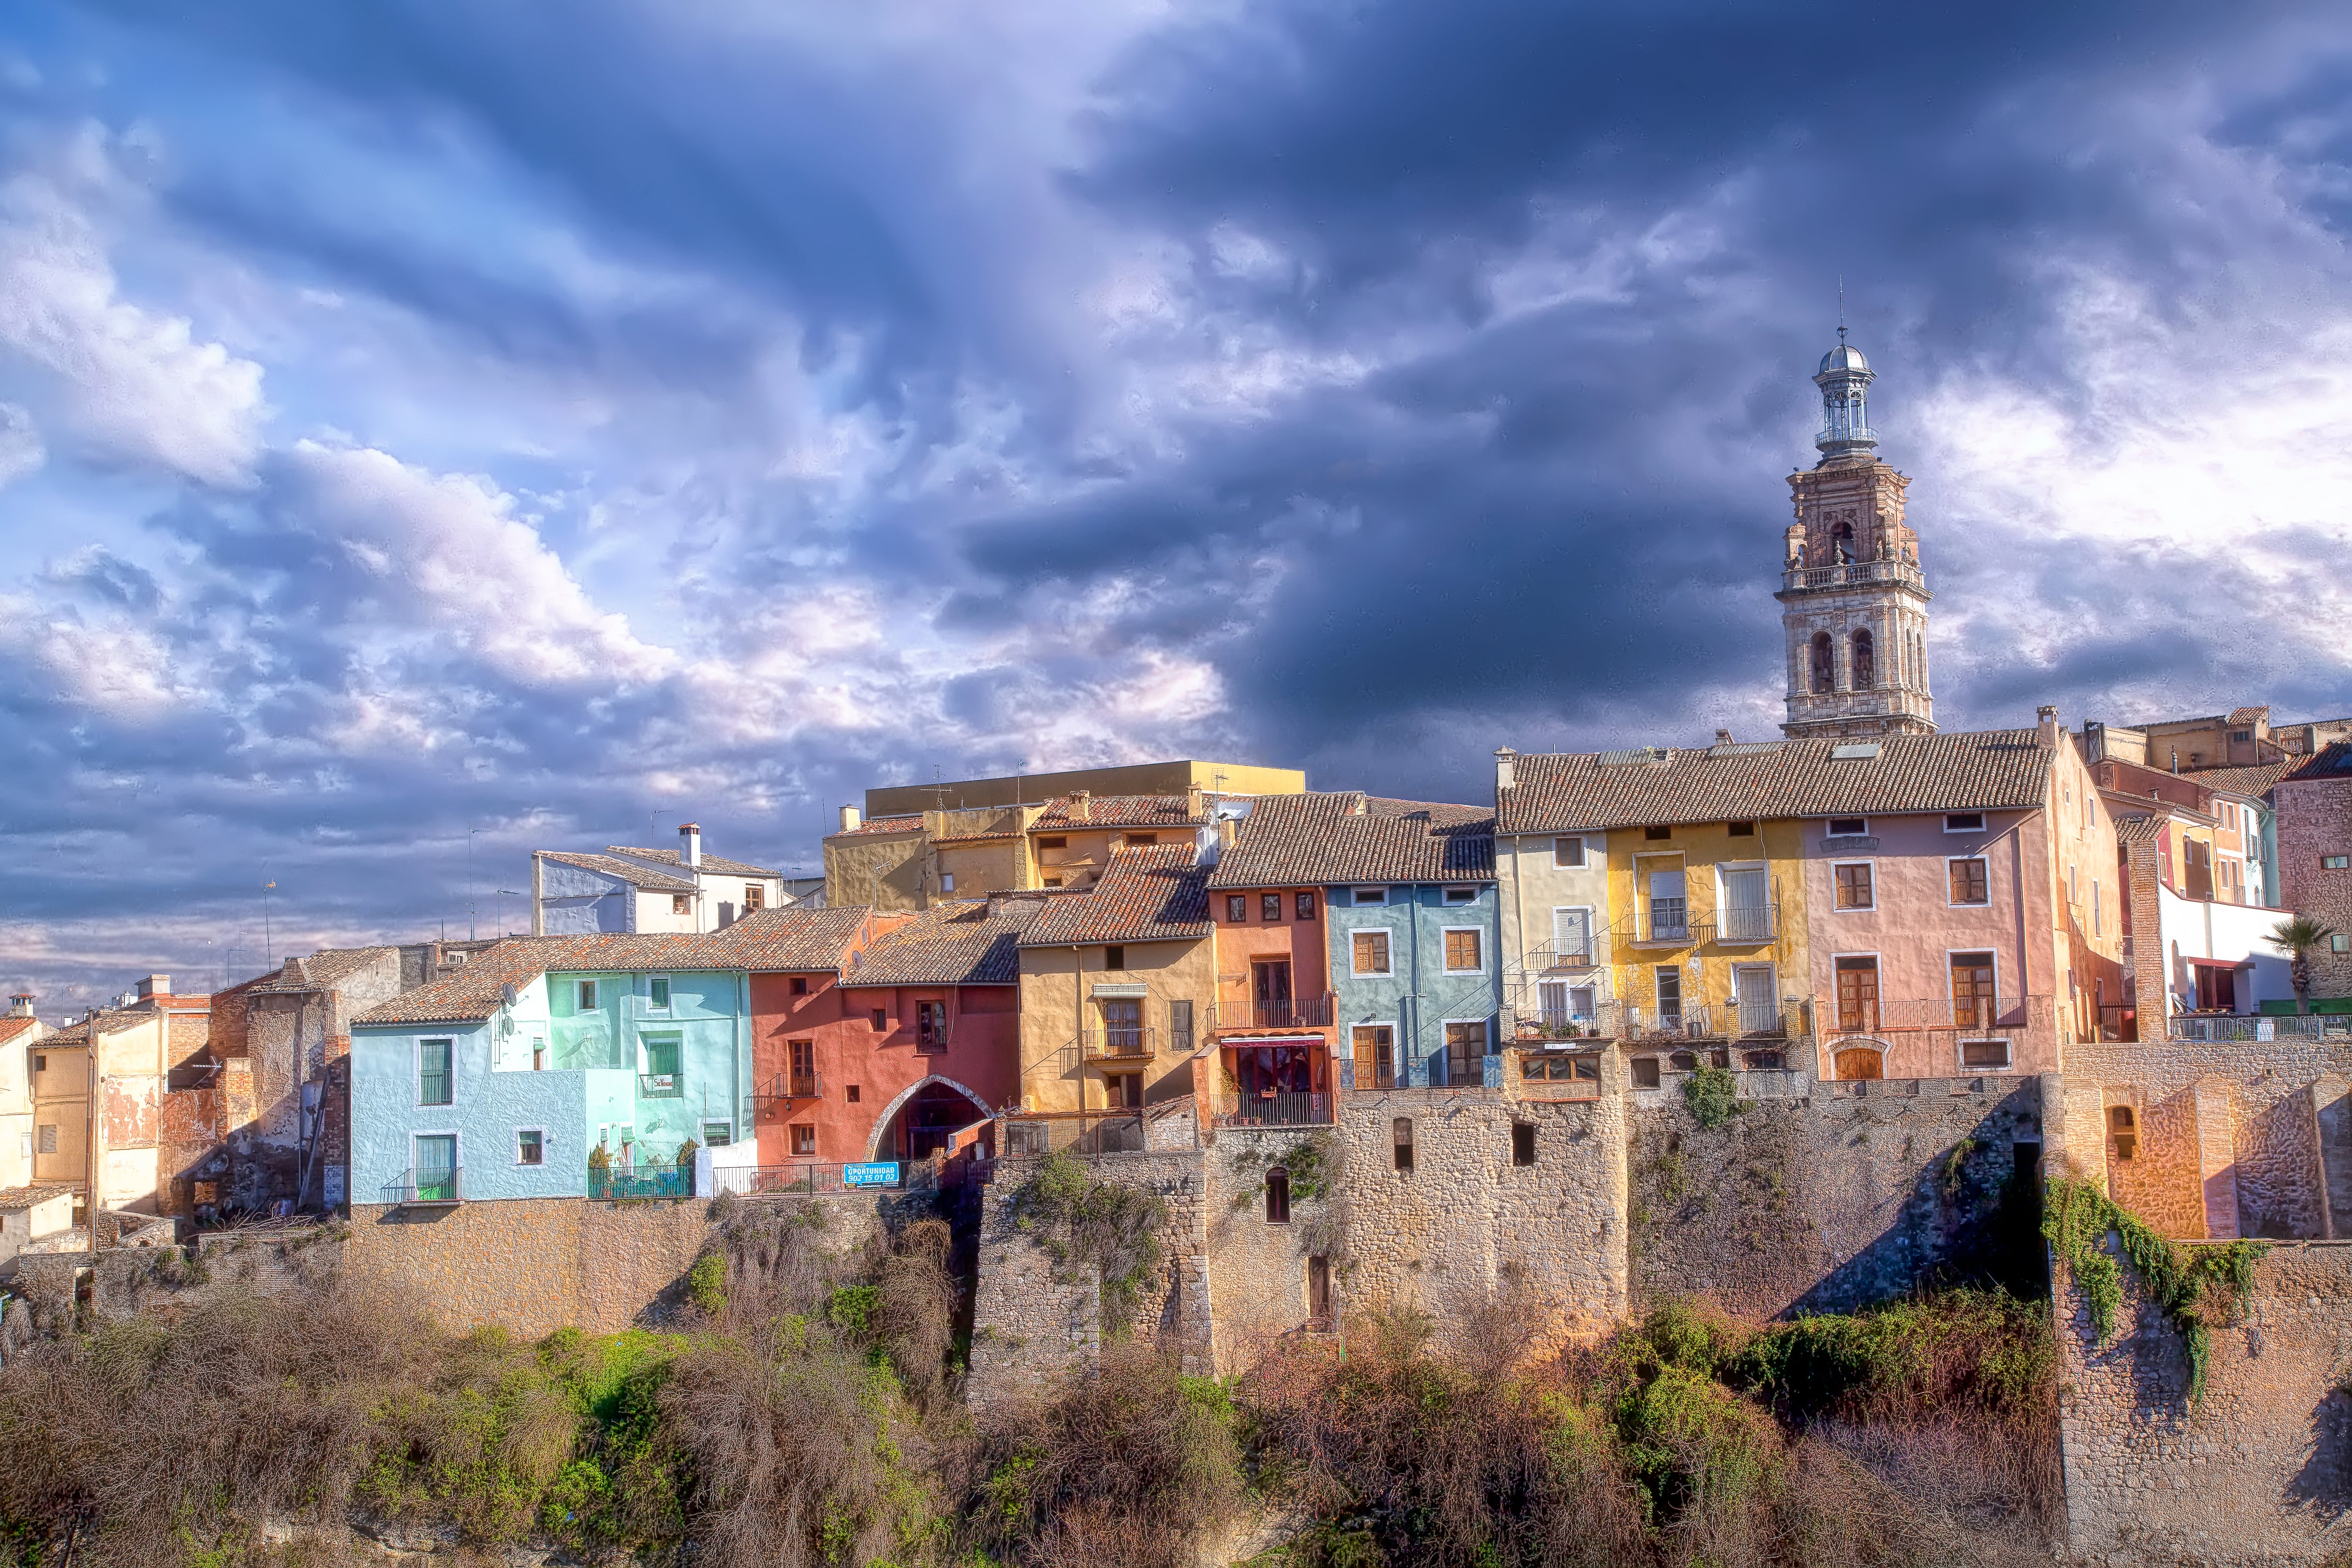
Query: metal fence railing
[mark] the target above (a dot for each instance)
(1079, 1133)
(643, 1182)
(1118, 1040)
(1882, 1015)
(1272, 1013)
(2217, 1027)
(419, 1188)
(818, 1178)
(1598, 1021)
(1295, 1108)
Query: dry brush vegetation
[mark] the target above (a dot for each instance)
(810, 1414)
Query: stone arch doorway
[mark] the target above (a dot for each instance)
(923, 1118)
(1860, 1062)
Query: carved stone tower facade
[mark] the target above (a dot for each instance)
(1853, 601)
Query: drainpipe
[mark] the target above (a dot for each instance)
(1412, 995)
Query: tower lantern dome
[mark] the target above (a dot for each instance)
(1845, 379)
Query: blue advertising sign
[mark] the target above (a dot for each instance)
(875, 1173)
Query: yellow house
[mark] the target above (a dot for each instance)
(1135, 778)
(118, 1142)
(1116, 984)
(917, 860)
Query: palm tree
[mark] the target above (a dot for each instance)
(2299, 938)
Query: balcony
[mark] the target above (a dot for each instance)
(1601, 1021)
(787, 1087)
(1692, 1021)
(649, 1182)
(1559, 955)
(1854, 573)
(1275, 1013)
(1279, 1110)
(661, 1085)
(1933, 1014)
(428, 1189)
(932, 1033)
(1118, 1042)
(1665, 923)
(1746, 925)
(1020, 1135)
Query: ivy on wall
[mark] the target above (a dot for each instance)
(2196, 1288)
(1113, 1226)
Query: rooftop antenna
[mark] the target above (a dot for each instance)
(938, 790)
(1841, 308)
(653, 827)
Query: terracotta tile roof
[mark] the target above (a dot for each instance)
(911, 823)
(711, 862)
(2332, 764)
(2138, 829)
(1151, 893)
(38, 1192)
(792, 938)
(1345, 835)
(969, 943)
(322, 970)
(111, 1021)
(639, 876)
(1121, 810)
(12, 1028)
(2253, 782)
(1962, 772)
(2249, 715)
(477, 990)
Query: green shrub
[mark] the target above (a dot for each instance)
(2195, 1287)
(706, 1285)
(1712, 1095)
(1113, 1226)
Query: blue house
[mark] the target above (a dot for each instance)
(502, 1080)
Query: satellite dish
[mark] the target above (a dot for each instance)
(506, 994)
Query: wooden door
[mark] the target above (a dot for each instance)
(1860, 1062)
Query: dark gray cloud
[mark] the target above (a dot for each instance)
(715, 412)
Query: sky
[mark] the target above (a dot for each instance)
(429, 433)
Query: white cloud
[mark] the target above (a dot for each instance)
(138, 386)
(21, 451)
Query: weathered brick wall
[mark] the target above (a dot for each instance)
(1827, 1202)
(535, 1265)
(2315, 819)
(2259, 1471)
(1031, 1320)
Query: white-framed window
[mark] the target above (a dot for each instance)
(436, 1072)
(1370, 898)
(1853, 885)
(718, 1134)
(1466, 949)
(1984, 1056)
(1372, 950)
(1568, 853)
(1964, 822)
(1571, 931)
(583, 995)
(947, 881)
(1461, 895)
(530, 1145)
(656, 992)
(434, 1159)
(1968, 880)
(1847, 827)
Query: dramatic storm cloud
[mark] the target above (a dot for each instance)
(521, 421)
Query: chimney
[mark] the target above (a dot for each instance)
(155, 986)
(20, 1005)
(689, 843)
(1227, 830)
(849, 819)
(2048, 718)
(1506, 768)
(1082, 805)
(1192, 803)
(1723, 738)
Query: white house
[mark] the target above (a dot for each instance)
(632, 889)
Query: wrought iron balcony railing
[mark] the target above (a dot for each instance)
(1119, 1041)
(1276, 1013)
(1943, 1015)
(424, 1189)
(641, 1182)
(1600, 1021)
(1561, 952)
(1736, 925)
(786, 1087)
(661, 1085)
(1280, 1110)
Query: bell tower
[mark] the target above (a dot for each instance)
(1853, 602)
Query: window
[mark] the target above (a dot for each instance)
(1645, 1072)
(1461, 895)
(1741, 829)
(947, 881)
(804, 1139)
(1141, 840)
(1853, 890)
(1824, 665)
(718, 1134)
(755, 896)
(433, 1073)
(800, 984)
(1052, 844)
(1115, 958)
(583, 995)
(436, 1167)
(1462, 951)
(854, 1094)
(1971, 880)
(1269, 907)
(1849, 828)
(1122, 1027)
(1857, 996)
(930, 1026)
(1053, 881)
(1304, 906)
(40, 1062)
(530, 1146)
(1277, 1196)
(1964, 822)
(1568, 852)
(1657, 833)
(2339, 942)
(1236, 907)
(1370, 898)
(1369, 949)
(1986, 1054)
(2098, 910)
(1670, 993)
(1466, 1045)
(1865, 663)
(1319, 1292)
(662, 1053)
(1375, 1052)
(1523, 1143)
(1180, 1026)
(681, 903)
(2125, 1127)
(1972, 990)
(1124, 1089)
(1401, 1134)
(657, 992)
(48, 1140)
(1554, 1068)
(881, 1017)
(2334, 862)
(2241, 736)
